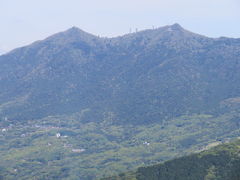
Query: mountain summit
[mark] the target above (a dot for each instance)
(143, 77)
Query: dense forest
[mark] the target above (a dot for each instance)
(219, 163)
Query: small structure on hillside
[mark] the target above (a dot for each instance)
(58, 135)
(146, 143)
(78, 150)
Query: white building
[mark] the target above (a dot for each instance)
(58, 135)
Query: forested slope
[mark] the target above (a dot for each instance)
(139, 78)
(219, 163)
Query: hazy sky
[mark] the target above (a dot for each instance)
(25, 21)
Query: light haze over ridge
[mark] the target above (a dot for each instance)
(25, 21)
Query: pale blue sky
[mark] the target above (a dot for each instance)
(25, 21)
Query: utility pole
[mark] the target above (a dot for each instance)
(130, 30)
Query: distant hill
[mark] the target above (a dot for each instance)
(137, 78)
(219, 163)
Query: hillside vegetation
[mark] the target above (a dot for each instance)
(78, 106)
(139, 78)
(92, 150)
(219, 163)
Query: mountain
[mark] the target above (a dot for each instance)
(138, 78)
(2, 51)
(219, 163)
(78, 106)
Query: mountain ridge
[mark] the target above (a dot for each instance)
(77, 30)
(80, 33)
(164, 73)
